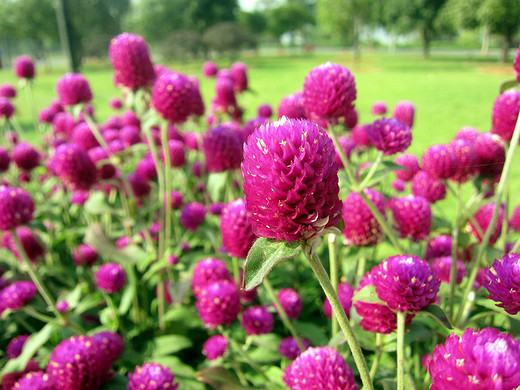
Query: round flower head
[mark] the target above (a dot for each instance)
(46, 115)
(208, 271)
(130, 135)
(440, 161)
(345, 294)
(35, 380)
(74, 167)
(15, 346)
(16, 207)
(24, 67)
(222, 148)
(291, 180)
(215, 347)
(467, 133)
(84, 255)
(251, 125)
(516, 65)
(177, 153)
(25, 156)
(319, 368)
(466, 160)
(31, 243)
(218, 304)
(209, 69)
(491, 155)
(404, 111)
(514, 221)
(172, 97)
(329, 92)
(289, 347)
(410, 162)
(111, 344)
(257, 320)
(359, 135)
(106, 171)
(17, 295)
(62, 306)
(152, 376)
(430, 188)
(505, 113)
(110, 277)
(239, 74)
(398, 185)
(439, 246)
(477, 360)
(442, 267)
(225, 99)
(5, 160)
(483, 218)
(146, 169)
(412, 217)
(140, 187)
(264, 110)
(351, 119)
(378, 108)
(406, 283)
(6, 108)
(192, 215)
(235, 227)
(361, 227)
(130, 59)
(83, 136)
(291, 106)
(72, 89)
(115, 103)
(8, 90)
(291, 302)
(503, 282)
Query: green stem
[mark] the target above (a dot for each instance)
(33, 313)
(485, 241)
(464, 209)
(361, 266)
(400, 349)
(283, 315)
(454, 253)
(236, 270)
(167, 187)
(95, 130)
(32, 104)
(372, 170)
(343, 157)
(246, 358)
(340, 314)
(334, 277)
(113, 309)
(161, 301)
(377, 357)
(516, 246)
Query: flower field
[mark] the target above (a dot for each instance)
(220, 231)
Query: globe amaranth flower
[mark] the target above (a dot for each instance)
(192, 215)
(24, 67)
(31, 243)
(291, 106)
(404, 111)
(468, 134)
(359, 135)
(477, 360)
(239, 74)
(62, 306)
(72, 89)
(264, 110)
(345, 294)
(172, 97)
(17, 295)
(36, 380)
(8, 90)
(177, 153)
(291, 180)
(412, 217)
(257, 320)
(291, 302)
(209, 69)
(406, 283)
(225, 99)
(442, 267)
(222, 148)
(236, 230)
(503, 282)
(218, 304)
(130, 59)
(15, 346)
(111, 344)
(440, 161)
(319, 368)
(74, 167)
(505, 113)
(410, 162)
(378, 108)
(5, 160)
(84, 255)
(438, 247)
(466, 160)
(16, 207)
(514, 221)
(140, 187)
(215, 347)
(429, 187)
(329, 92)
(491, 155)
(25, 156)
(290, 349)
(208, 271)
(361, 227)
(110, 277)
(483, 218)
(152, 376)
(6, 109)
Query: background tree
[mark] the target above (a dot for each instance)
(255, 22)
(289, 18)
(228, 37)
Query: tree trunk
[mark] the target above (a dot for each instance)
(427, 39)
(484, 50)
(66, 35)
(506, 44)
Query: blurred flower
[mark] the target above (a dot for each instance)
(215, 347)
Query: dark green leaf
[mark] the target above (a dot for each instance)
(167, 345)
(508, 85)
(392, 166)
(488, 303)
(263, 256)
(220, 379)
(311, 332)
(437, 313)
(439, 223)
(119, 382)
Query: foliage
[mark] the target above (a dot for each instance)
(182, 45)
(228, 38)
(288, 18)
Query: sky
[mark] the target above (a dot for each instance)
(247, 5)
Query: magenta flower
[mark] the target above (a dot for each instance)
(110, 277)
(62, 306)
(466, 160)
(442, 267)
(105, 170)
(35, 380)
(329, 92)
(412, 217)
(177, 153)
(429, 187)
(73, 166)
(152, 376)
(345, 294)
(291, 106)
(491, 155)
(291, 302)
(111, 344)
(218, 304)
(439, 246)
(72, 89)
(6, 108)
(140, 187)
(16, 207)
(257, 320)
(215, 347)
(404, 111)
(8, 90)
(15, 346)
(378, 108)
(208, 271)
(24, 67)
(440, 161)
(222, 148)
(503, 282)
(172, 97)
(406, 283)
(359, 135)
(25, 156)
(251, 125)
(5, 159)
(30, 241)
(468, 134)
(514, 221)
(239, 74)
(84, 255)
(483, 218)
(209, 69)
(289, 347)
(319, 368)
(192, 215)
(478, 360)
(17, 295)
(264, 110)
(410, 162)
(505, 113)
(225, 99)
(235, 227)
(291, 180)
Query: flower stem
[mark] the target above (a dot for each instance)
(113, 309)
(340, 314)
(454, 252)
(334, 277)
(32, 104)
(377, 357)
(167, 187)
(400, 349)
(343, 157)
(372, 170)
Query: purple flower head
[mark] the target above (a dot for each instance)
(15, 346)
(152, 376)
(291, 106)
(319, 368)
(30, 241)
(483, 218)
(72, 89)
(217, 208)
(438, 247)
(105, 170)
(468, 134)
(289, 347)
(83, 136)
(130, 59)
(8, 90)
(404, 111)
(209, 69)
(172, 97)
(9, 380)
(6, 108)
(378, 108)
(505, 114)
(351, 119)
(177, 153)
(64, 123)
(291, 302)
(177, 200)
(46, 115)
(115, 103)
(208, 271)
(329, 92)
(264, 110)
(410, 162)
(222, 148)
(466, 160)
(359, 135)
(502, 281)
(192, 215)
(398, 185)
(345, 294)
(17, 295)
(140, 187)
(73, 166)
(215, 347)
(36, 380)
(491, 155)
(257, 320)
(218, 304)
(361, 227)
(110, 277)
(236, 229)
(5, 159)
(62, 306)
(239, 74)
(478, 360)
(84, 255)
(130, 135)
(24, 67)
(406, 283)
(442, 267)
(348, 145)
(429, 187)
(197, 104)
(514, 221)
(16, 207)
(440, 161)
(412, 217)
(111, 344)
(146, 169)
(25, 156)
(251, 125)
(225, 99)
(291, 180)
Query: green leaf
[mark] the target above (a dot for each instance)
(392, 166)
(216, 185)
(311, 332)
(178, 367)
(437, 313)
(275, 374)
(97, 204)
(167, 345)
(337, 340)
(367, 294)
(220, 379)
(490, 304)
(263, 256)
(508, 85)
(119, 382)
